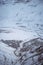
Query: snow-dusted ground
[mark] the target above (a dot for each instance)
(19, 21)
(28, 17)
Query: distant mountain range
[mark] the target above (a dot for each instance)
(12, 1)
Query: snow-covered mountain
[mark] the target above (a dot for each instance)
(21, 32)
